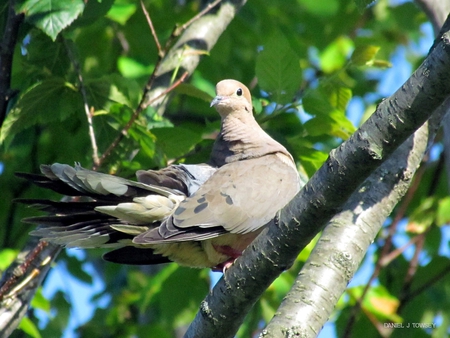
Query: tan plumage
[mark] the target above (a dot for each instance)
(224, 207)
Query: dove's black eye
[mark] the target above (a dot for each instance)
(239, 92)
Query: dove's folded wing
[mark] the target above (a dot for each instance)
(239, 198)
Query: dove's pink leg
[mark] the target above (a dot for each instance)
(229, 251)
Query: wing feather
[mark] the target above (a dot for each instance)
(240, 197)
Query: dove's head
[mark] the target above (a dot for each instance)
(232, 96)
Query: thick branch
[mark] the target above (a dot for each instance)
(436, 11)
(181, 60)
(21, 280)
(345, 240)
(198, 39)
(395, 119)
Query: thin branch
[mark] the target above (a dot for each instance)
(165, 92)
(412, 269)
(87, 110)
(9, 39)
(386, 260)
(433, 280)
(161, 53)
(135, 115)
(21, 280)
(20, 271)
(145, 100)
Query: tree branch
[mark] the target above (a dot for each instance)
(152, 29)
(198, 39)
(7, 45)
(21, 280)
(395, 119)
(344, 242)
(87, 110)
(206, 31)
(436, 11)
(200, 36)
(386, 256)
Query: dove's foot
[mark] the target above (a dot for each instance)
(228, 251)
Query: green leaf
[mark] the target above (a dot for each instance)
(364, 54)
(443, 211)
(45, 57)
(382, 64)
(278, 69)
(334, 124)
(93, 11)
(176, 142)
(131, 68)
(40, 302)
(312, 160)
(27, 326)
(328, 103)
(334, 57)
(107, 90)
(50, 100)
(7, 256)
(153, 330)
(343, 127)
(145, 138)
(192, 91)
(378, 301)
(423, 216)
(339, 97)
(61, 309)
(153, 286)
(51, 16)
(321, 8)
(363, 4)
(327, 98)
(181, 311)
(76, 270)
(120, 12)
(315, 102)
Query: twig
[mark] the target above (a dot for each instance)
(426, 285)
(412, 269)
(161, 53)
(168, 90)
(21, 269)
(386, 260)
(140, 108)
(87, 111)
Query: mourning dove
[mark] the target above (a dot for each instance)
(195, 215)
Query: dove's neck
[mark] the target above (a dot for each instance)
(242, 138)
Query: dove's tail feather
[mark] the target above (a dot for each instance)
(135, 256)
(108, 211)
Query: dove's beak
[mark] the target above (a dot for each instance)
(216, 100)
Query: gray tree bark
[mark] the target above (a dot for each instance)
(348, 166)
